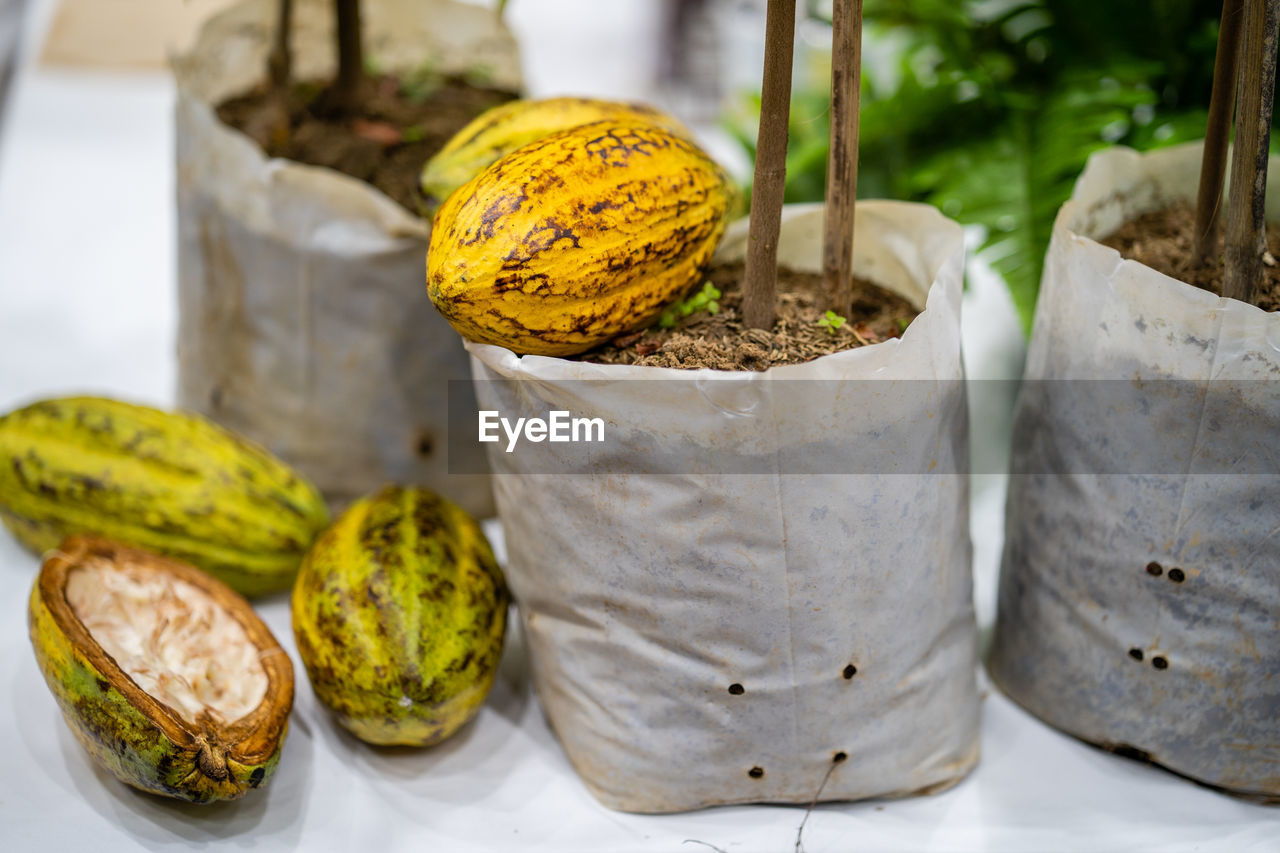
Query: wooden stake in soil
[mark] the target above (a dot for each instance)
(759, 282)
(280, 60)
(842, 161)
(1246, 209)
(1213, 163)
(347, 85)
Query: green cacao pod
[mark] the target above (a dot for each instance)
(577, 238)
(164, 674)
(399, 612)
(172, 483)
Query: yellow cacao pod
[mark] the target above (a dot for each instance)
(400, 612)
(577, 238)
(499, 131)
(170, 482)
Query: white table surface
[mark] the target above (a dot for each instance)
(87, 304)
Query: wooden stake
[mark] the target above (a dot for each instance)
(1213, 163)
(760, 280)
(280, 59)
(842, 160)
(1246, 209)
(347, 85)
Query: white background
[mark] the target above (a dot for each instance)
(87, 305)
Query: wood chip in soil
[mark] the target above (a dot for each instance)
(1163, 240)
(721, 342)
(399, 126)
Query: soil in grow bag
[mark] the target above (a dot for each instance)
(802, 332)
(401, 123)
(1162, 240)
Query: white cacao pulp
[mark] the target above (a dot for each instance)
(171, 638)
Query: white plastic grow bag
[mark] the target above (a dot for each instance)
(1140, 594)
(693, 634)
(304, 321)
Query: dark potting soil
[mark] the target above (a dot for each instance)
(721, 342)
(1163, 240)
(400, 124)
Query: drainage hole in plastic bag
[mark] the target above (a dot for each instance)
(849, 672)
(1177, 575)
(1136, 654)
(736, 689)
(426, 444)
(756, 772)
(1154, 569)
(1160, 662)
(838, 757)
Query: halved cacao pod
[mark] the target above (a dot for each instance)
(164, 674)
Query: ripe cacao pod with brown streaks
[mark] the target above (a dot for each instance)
(497, 132)
(577, 238)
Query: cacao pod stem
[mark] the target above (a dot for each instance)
(212, 760)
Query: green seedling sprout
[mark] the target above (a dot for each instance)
(832, 321)
(706, 300)
(480, 75)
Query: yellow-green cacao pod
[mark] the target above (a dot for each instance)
(497, 132)
(577, 238)
(172, 483)
(172, 624)
(399, 612)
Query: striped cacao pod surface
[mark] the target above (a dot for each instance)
(172, 483)
(577, 238)
(400, 612)
(497, 132)
(163, 673)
